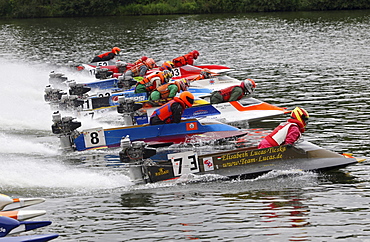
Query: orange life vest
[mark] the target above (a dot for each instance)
(164, 113)
(150, 81)
(164, 91)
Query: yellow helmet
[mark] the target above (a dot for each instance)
(301, 115)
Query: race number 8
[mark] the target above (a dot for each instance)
(184, 163)
(94, 137)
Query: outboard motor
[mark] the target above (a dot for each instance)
(126, 107)
(125, 82)
(135, 154)
(57, 78)
(53, 95)
(122, 66)
(65, 128)
(78, 89)
(103, 73)
(71, 102)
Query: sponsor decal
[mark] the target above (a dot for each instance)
(161, 172)
(191, 126)
(211, 81)
(208, 164)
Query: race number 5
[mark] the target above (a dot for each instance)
(94, 137)
(184, 163)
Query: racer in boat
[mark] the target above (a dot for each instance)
(167, 65)
(287, 132)
(153, 81)
(233, 93)
(204, 74)
(169, 90)
(108, 55)
(172, 111)
(141, 66)
(187, 59)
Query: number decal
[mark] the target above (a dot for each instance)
(176, 72)
(102, 63)
(184, 163)
(94, 137)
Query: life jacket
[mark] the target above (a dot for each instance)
(105, 54)
(183, 60)
(136, 68)
(150, 81)
(226, 93)
(278, 136)
(163, 90)
(164, 113)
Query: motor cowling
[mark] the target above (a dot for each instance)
(53, 95)
(78, 89)
(103, 73)
(65, 125)
(57, 78)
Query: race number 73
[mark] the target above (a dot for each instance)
(184, 163)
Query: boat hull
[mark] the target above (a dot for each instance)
(184, 132)
(247, 162)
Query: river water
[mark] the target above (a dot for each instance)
(317, 60)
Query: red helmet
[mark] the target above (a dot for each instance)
(116, 50)
(150, 63)
(301, 115)
(183, 83)
(195, 54)
(187, 98)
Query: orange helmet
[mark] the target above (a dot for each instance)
(187, 98)
(116, 50)
(150, 63)
(301, 115)
(195, 54)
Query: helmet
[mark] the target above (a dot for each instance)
(116, 50)
(195, 54)
(168, 65)
(183, 84)
(150, 63)
(301, 115)
(167, 75)
(187, 98)
(249, 86)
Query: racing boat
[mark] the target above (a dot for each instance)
(187, 131)
(12, 221)
(148, 166)
(116, 68)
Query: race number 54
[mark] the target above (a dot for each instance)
(184, 163)
(94, 137)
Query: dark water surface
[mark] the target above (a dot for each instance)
(317, 60)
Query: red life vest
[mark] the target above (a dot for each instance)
(150, 81)
(164, 113)
(278, 136)
(226, 93)
(183, 60)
